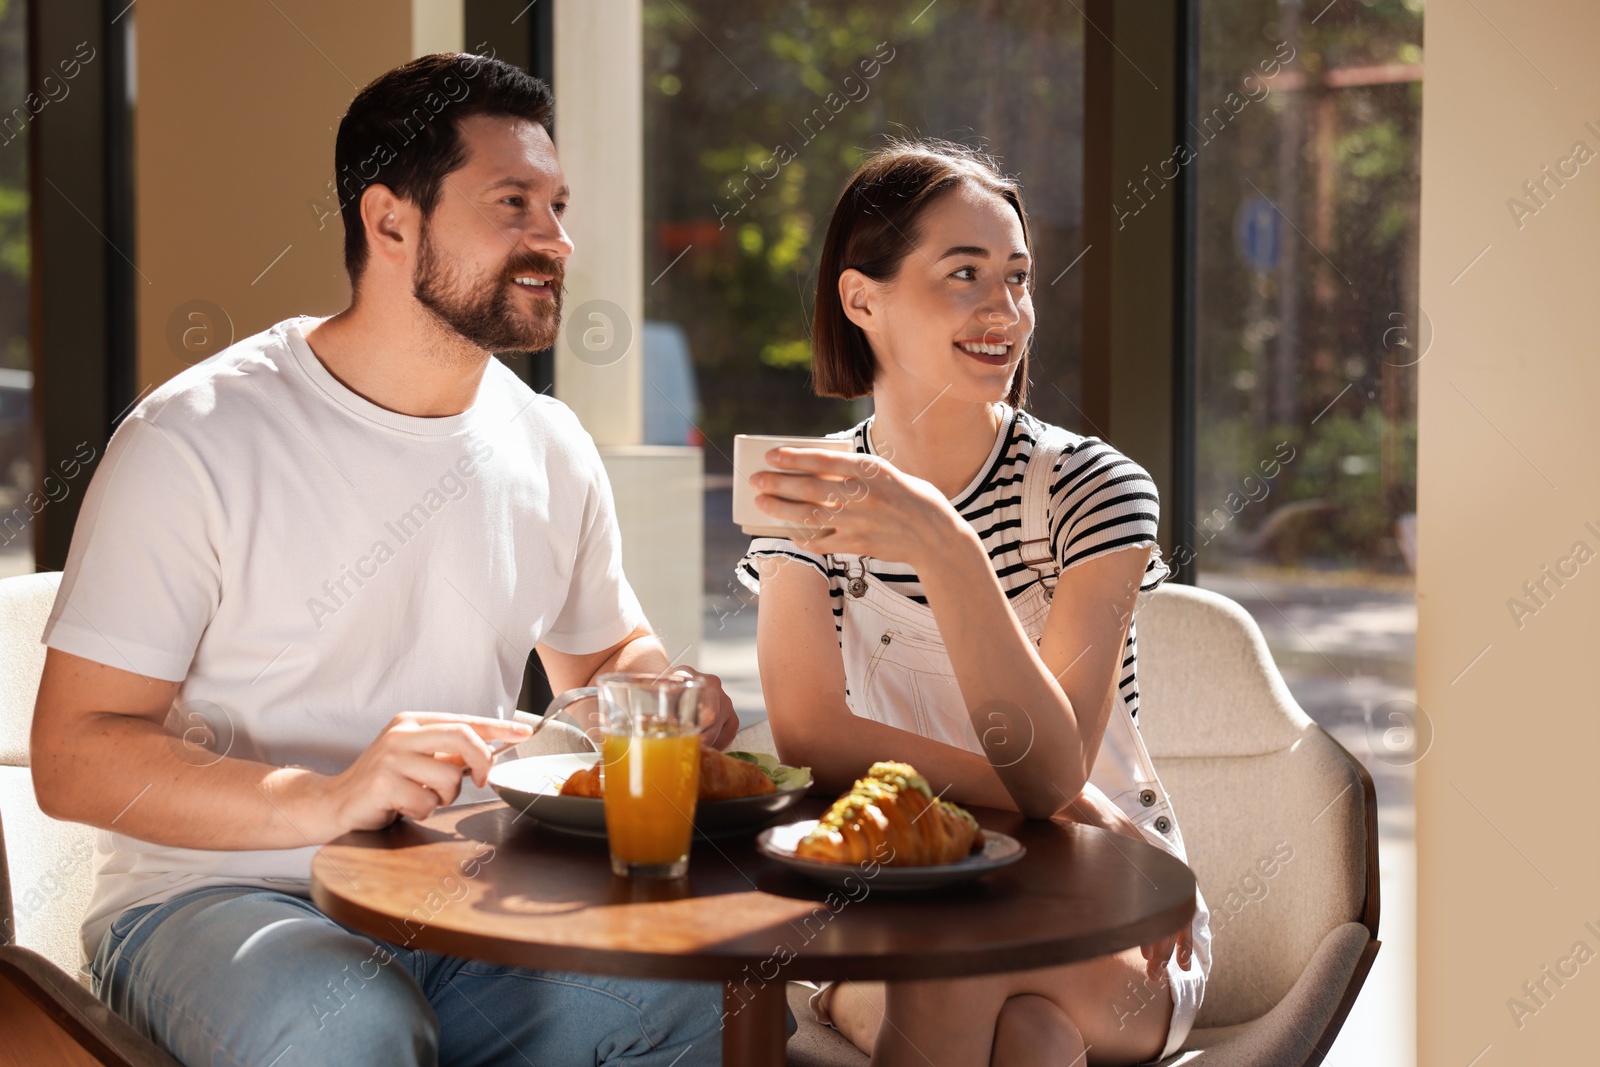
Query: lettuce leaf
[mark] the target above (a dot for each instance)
(782, 775)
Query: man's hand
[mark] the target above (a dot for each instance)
(640, 652)
(416, 765)
(716, 710)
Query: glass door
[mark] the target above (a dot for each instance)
(1308, 337)
(756, 112)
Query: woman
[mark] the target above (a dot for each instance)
(966, 607)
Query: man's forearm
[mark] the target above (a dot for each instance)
(644, 654)
(129, 775)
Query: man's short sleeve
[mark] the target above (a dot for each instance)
(143, 578)
(601, 608)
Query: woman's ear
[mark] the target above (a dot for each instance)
(858, 295)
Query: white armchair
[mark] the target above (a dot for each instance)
(46, 874)
(1254, 779)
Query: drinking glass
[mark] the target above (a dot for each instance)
(650, 768)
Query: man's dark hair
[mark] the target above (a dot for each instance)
(402, 131)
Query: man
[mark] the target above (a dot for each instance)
(299, 602)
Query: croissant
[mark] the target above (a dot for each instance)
(583, 783)
(891, 816)
(721, 778)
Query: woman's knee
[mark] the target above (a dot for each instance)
(1033, 1028)
(1119, 1010)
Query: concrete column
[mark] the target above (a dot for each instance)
(437, 26)
(600, 367)
(599, 136)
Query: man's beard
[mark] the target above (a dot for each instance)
(484, 311)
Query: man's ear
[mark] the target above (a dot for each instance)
(386, 218)
(858, 295)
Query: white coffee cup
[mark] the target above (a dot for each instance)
(750, 457)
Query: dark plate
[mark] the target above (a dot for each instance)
(998, 851)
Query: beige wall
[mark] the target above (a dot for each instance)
(1508, 864)
(236, 114)
(437, 26)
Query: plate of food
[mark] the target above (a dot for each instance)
(740, 792)
(890, 832)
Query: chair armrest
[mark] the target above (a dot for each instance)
(49, 1013)
(1299, 1030)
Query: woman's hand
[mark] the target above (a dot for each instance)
(856, 504)
(1157, 955)
(1093, 808)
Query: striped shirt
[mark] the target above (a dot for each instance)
(1100, 501)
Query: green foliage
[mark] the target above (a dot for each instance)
(14, 232)
(787, 355)
(1342, 166)
(750, 200)
(14, 247)
(746, 178)
(1359, 468)
(1341, 462)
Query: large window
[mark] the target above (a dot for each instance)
(756, 111)
(16, 381)
(1308, 339)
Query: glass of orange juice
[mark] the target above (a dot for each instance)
(650, 770)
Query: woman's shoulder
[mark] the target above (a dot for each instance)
(1077, 453)
(1101, 500)
(856, 433)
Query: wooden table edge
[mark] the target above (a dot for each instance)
(625, 963)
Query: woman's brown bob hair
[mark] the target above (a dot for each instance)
(875, 225)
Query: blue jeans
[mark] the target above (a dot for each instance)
(234, 976)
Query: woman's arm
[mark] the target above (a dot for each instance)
(802, 675)
(1040, 713)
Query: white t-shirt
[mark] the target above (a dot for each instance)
(308, 564)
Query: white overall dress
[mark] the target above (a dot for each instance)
(897, 672)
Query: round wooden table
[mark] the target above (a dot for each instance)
(484, 881)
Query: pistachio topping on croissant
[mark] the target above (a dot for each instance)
(886, 808)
